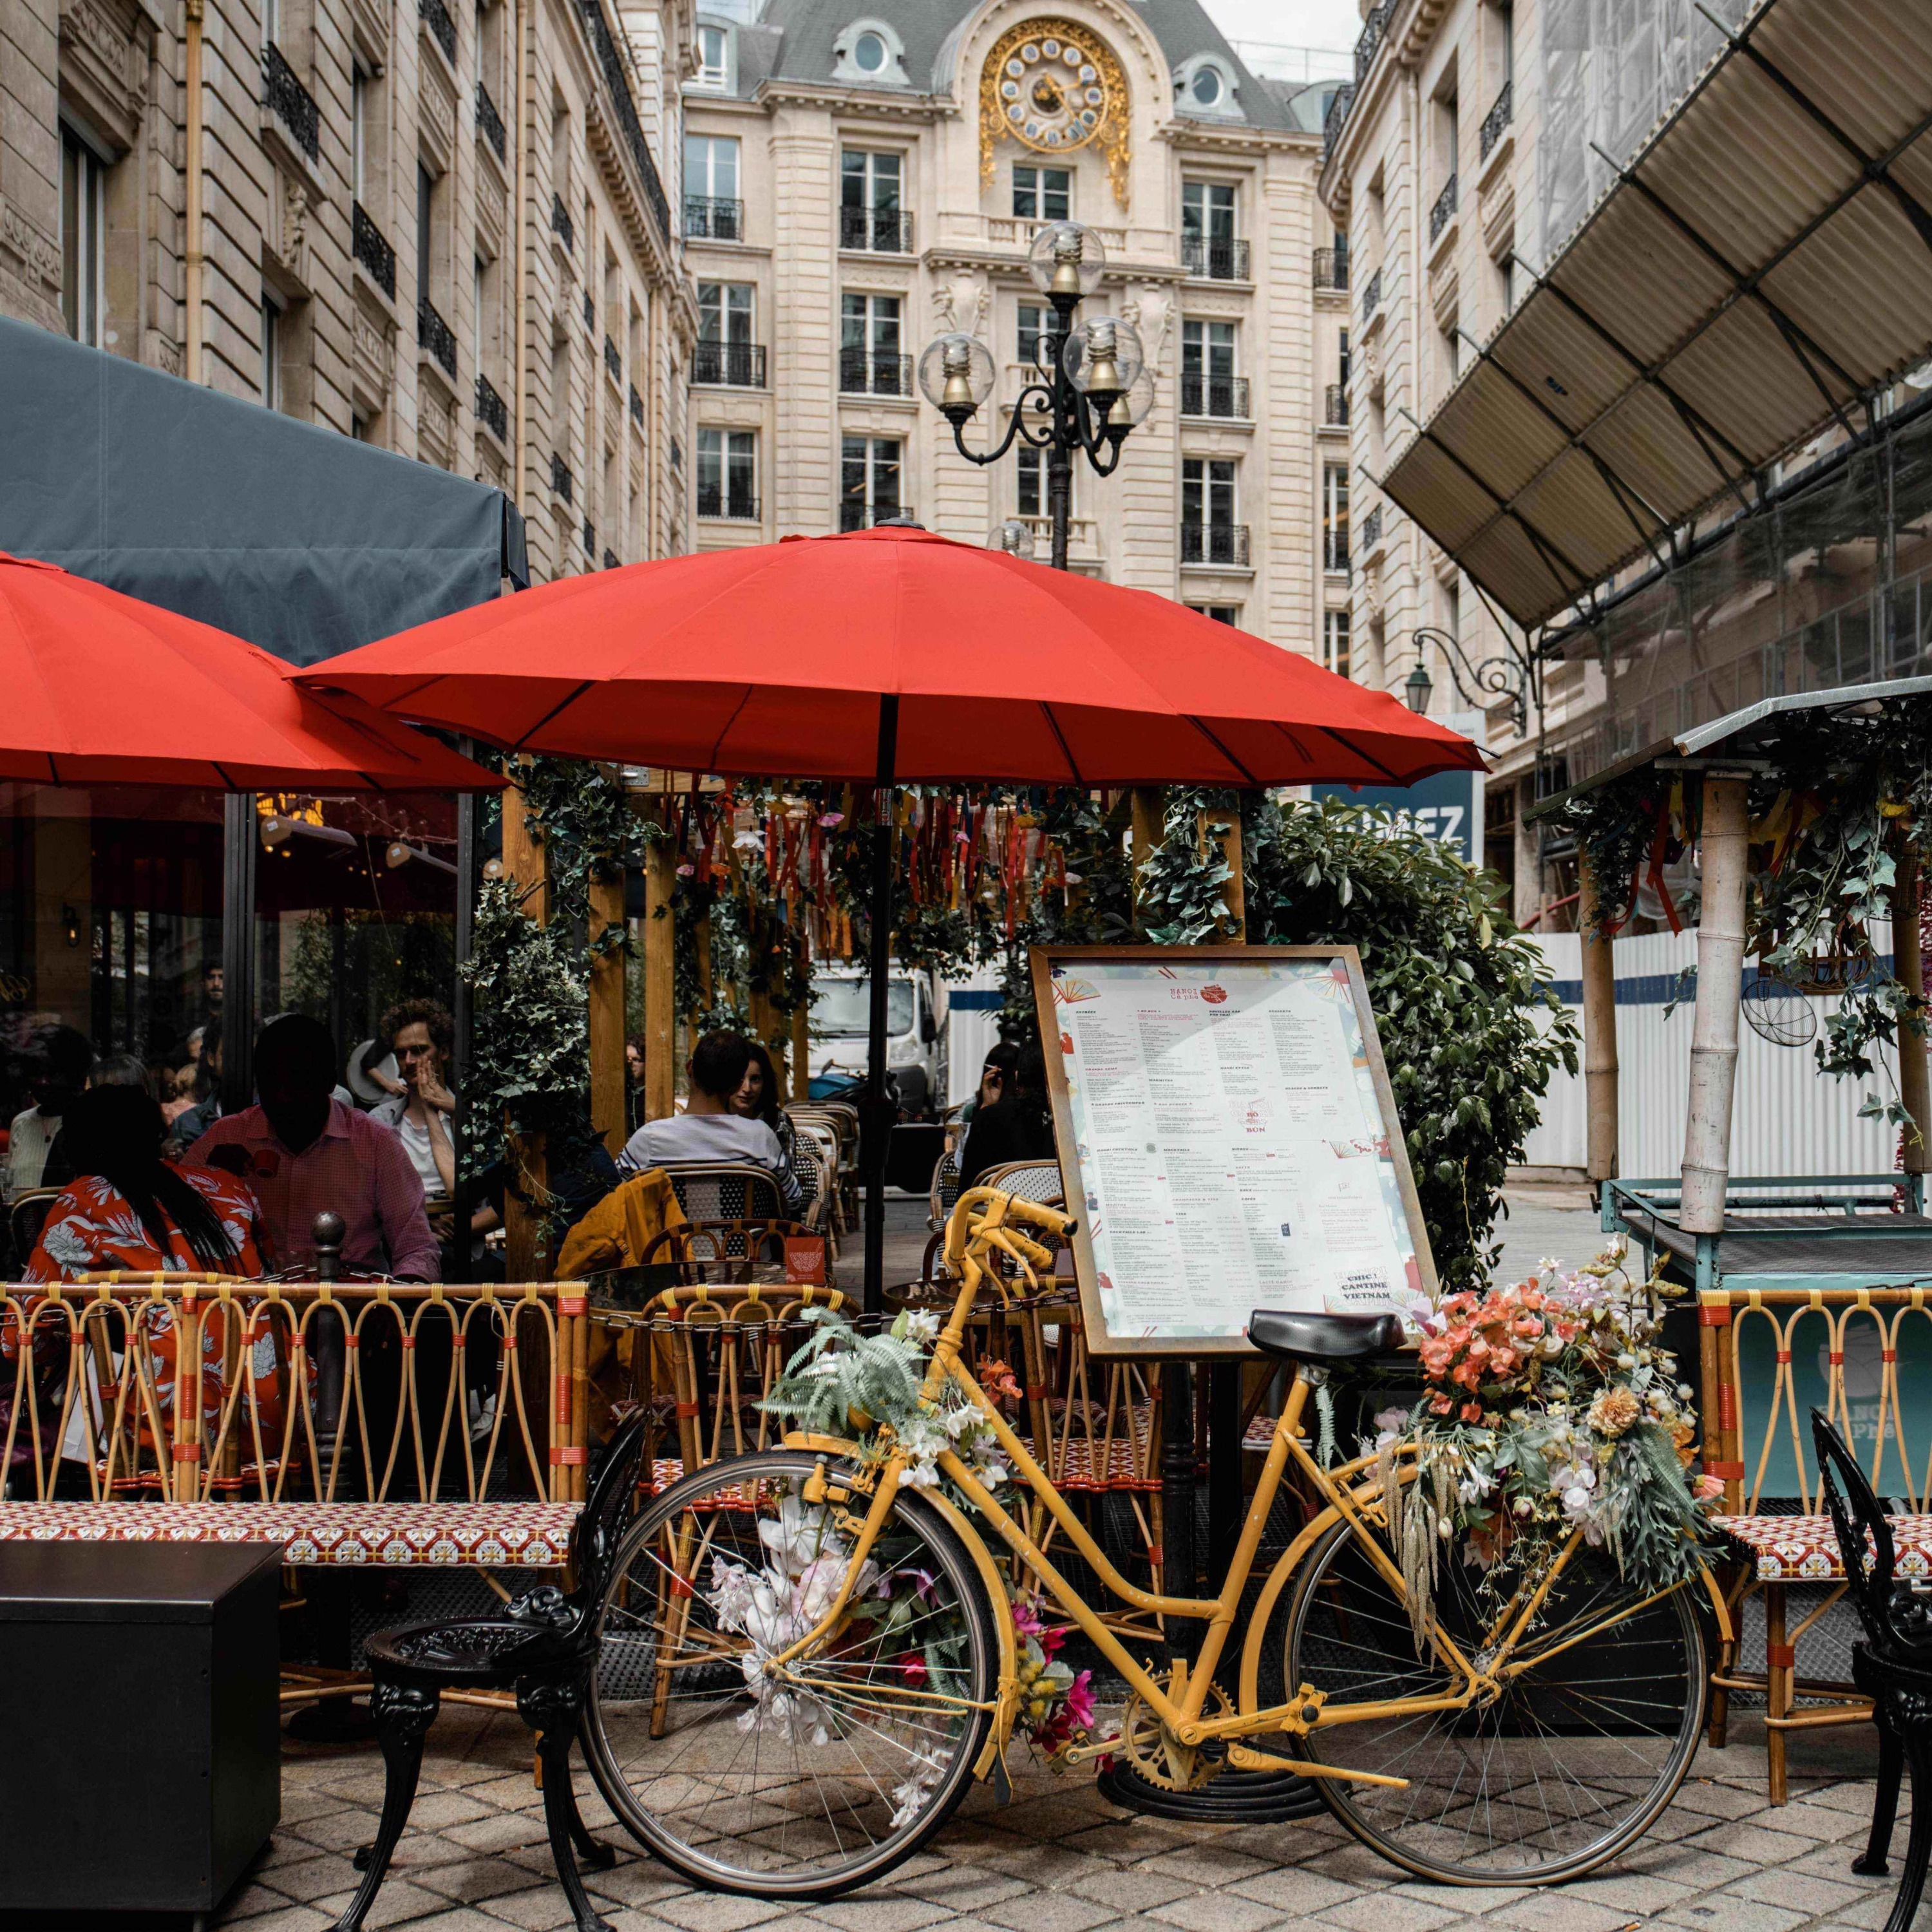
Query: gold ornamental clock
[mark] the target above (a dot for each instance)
(1053, 86)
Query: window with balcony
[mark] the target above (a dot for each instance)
(727, 473)
(1335, 518)
(1335, 642)
(1209, 533)
(712, 209)
(1042, 194)
(83, 239)
(1209, 386)
(872, 213)
(725, 352)
(714, 58)
(1208, 245)
(870, 361)
(1032, 498)
(870, 468)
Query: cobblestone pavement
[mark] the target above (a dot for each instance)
(1061, 1859)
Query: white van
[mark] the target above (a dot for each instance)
(916, 1031)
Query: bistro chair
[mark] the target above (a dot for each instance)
(544, 1646)
(1892, 1664)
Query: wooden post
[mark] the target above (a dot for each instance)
(1235, 892)
(526, 866)
(1914, 1087)
(1599, 1029)
(1714, 1034)
(1150, 819)
(660, 974)
(608, 1078)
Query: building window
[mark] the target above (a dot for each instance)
(727, 479)
(83, 238)
(870, 362)
(714, 58)
(1033, 493)
(870, 468)
(272, 22)
(271, 352)
(1342, 366)
(358, 131)
(711, 166)
(871, 215)
(1335, 642)
(724, 312)
(870, 52)
(1207, 493)
(1042, 194)
(1207, 211)
(1207, 369)
(425, 223)
(1035, 321)
(1222, 613)
(1335, 517)
(1207, 87)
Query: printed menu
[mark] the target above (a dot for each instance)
(1231, 1144)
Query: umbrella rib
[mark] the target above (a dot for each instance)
(1059, 738)
(549, 715)
(1348, 745)
(725, 731)
(1202, 728)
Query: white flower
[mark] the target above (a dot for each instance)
(922, 1327)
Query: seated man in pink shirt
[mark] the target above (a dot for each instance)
(304, 1153)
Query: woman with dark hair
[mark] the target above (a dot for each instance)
(756, 1098)
(1016, 1127)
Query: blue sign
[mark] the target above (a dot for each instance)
(1448, 807)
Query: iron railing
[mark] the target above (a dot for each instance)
(490, 123)
(435, 335)
(878, 231)
(636, 406)
(1220, 258)
(589, 313)
(1495, 121)
(1372, 530)
(854, 514)
(737, 365)
(1213, 395)
(1375, 25)
(873, 372)
(491, 410)
(435, 16)
(611, 559)
(614, 78)
(292, 103)
(1371, 295)
(737, 505)
(1331, 267)
(1340, 102)
(1335, 406)
(589, 537)
(1445, 206)
(614, 363)
(1214, 543)
(713, 218)
(370, 247)
(561, 224)
(1335, 547)
(560, 482)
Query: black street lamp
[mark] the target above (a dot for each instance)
(1509, 675)
(1093, 385)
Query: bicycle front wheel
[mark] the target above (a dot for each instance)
(1570, 1764)
(803, 1783)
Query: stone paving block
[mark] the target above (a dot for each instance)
(1471, 1900)
(494, 1831)
(1211, 1863)
(1749, 1840)
(1049, 1912)
(1560, 1910)
(541, 1908)
(1726, 1913)
(962, 1888)
(1386, 1912)
(1633, 1894)
(1719, 1800)
(399, 1903)
(638, 1881)
(1133, 1888)
(1799, 1891)
(1295, 1888)
(293, 1918)
(252, 1900)
(470, 1880)
(871, 1910)
(1217, 1911)
(312, 1878)
(718, 1911)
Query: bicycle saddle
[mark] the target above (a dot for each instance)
(1324, 1338)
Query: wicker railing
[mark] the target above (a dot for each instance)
(1375, 26)
(1372, 530)
(636, 406)
(1333, 122)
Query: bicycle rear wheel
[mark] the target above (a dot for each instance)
(804, 1785)
(1569, 1766)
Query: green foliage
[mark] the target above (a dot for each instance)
(1471, 1028)
(841, 1372)
(1183, 886)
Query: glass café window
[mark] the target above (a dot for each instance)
(1042, 194)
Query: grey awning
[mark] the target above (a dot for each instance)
(302, 541)
(1764, 263)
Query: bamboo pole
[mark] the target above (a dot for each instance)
(526, 866)
(1599, 1028)
(1914, 1083)
(1714, 1037)
(660, 974)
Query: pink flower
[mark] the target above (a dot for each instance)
(1079, 1706)
(912, 1668)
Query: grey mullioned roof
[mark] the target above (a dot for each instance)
(793, 40)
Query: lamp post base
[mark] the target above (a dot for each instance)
(1235, 1798)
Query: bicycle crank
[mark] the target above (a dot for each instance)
(1153, 1750)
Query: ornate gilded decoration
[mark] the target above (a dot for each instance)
(1053, 86)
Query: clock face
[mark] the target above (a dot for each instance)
(1057, 87)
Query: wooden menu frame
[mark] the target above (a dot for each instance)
(1043, 959)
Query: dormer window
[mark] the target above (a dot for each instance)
(869, 53)
(1205, 86)
(714, 58)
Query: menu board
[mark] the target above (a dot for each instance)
(1225, 1122)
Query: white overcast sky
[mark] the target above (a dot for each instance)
(1289, 23)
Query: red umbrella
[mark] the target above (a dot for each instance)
(103, 689)
(894, 655)
(773, 660)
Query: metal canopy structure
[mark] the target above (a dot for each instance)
(1761, 267)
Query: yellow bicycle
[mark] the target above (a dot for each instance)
(808, 1656)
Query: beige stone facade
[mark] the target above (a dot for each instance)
(440, 226)
(851, 191)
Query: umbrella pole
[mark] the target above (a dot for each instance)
(877, 1125)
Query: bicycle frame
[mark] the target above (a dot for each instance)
(1503, 1654)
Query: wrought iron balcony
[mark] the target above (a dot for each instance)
(436, 336)
(1445, 206)
(1333, 122)
(611, 559)
(636, 406)
(589, 537)
(561, 224)
(736, 365)
(370, 247)
(735, 505)
(1374, 26)
(293, 105)
(1220, 258)
(614, 363)
(435, 16)
(713, 218)
(1213, 395)
(878, 231)
(1335, 548)
(1371, 295)
(615, 79)
(856, 515)
(873, 372)
(1215, 543)
(1335, 406)
(1495, 121)
(559, 477)
(589, 313)
(1372, 530)
(1331, 267)
(490, 123)
(491, 411)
